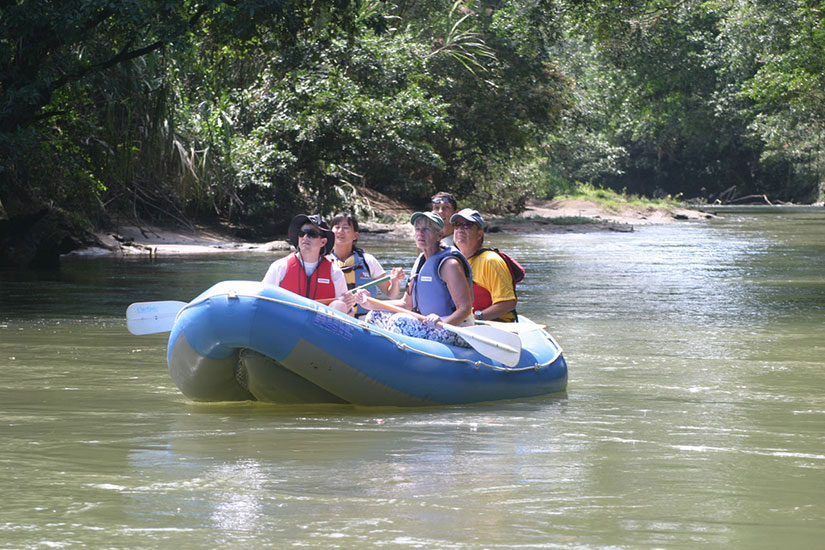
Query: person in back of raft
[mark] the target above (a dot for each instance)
(494, 293)
(360, 267)
(439, 288)
(308, 271)
(445, 205)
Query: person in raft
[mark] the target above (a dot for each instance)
(494, 294)
(360, 267)
(445, 205)
(308, 271)
(438, 288)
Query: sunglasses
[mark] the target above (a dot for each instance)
(465, 225)
(310, 233)
(440, 201)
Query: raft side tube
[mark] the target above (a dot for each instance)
(202, 379)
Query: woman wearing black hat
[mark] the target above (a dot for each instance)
(308, 271)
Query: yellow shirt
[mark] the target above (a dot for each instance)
(491, 272)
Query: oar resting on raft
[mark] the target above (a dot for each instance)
(370, 284)
(153, 317)
(499, 345)
(518, 328)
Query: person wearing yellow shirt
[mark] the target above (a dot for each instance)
(494, 293)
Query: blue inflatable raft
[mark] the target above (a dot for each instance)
(244, 340)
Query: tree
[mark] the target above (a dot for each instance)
(59, 71)
(492, 64)
(678, 115)
(786, 87)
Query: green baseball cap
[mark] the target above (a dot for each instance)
(432, 216)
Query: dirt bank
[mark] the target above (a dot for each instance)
(537, 218)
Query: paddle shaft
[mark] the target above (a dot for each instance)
(464, 332)
(356, 289)
(397, 309)
(511, 327)
(152, 317)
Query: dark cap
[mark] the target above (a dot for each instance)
(317, 221)
(468, 214)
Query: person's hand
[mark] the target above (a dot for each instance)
(360, 296)
(397, 274)
(432, 319)
(349, 299)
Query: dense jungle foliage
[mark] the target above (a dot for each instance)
(248, 111)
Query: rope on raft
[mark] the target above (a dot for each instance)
(366, 326)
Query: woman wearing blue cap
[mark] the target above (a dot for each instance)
(439, 288)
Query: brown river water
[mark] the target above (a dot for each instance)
(694, 417)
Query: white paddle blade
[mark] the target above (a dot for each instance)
(151, 317)
(518, 328)
(499, 345)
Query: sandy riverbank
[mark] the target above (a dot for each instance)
(537, 218)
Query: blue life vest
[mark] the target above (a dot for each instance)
(357, 273)
(430, 293)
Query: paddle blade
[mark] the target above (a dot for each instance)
(499, 345)
(151, 317)
(518, 328)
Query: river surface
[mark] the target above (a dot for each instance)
(694, 417)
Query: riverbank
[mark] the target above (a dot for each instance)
(557, 216)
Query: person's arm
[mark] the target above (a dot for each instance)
(452, 273)
(498, 309)
(345, 301)
(275, 273)
(339, 280)
(405, 301)
(497, 280)
(392, 288)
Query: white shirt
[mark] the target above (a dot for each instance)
(277, 271)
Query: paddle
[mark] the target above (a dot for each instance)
(356, 289)
(499, 345)
(150, 317)
(517, 328)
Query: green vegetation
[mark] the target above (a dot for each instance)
(557, 220)
(570, 220)
(247, 111)
(613, 200)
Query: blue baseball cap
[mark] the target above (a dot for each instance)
(468, 214)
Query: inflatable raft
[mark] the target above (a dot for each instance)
(244, 340)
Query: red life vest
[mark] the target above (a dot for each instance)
(482, 299)
(317, 287)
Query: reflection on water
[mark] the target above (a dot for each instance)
(694, 413)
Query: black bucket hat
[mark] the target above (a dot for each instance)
(317, 221)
